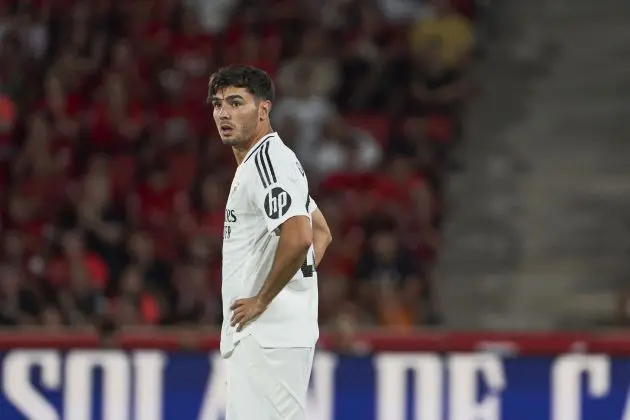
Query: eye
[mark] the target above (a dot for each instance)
(236, 104)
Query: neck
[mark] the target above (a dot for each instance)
(241, 152)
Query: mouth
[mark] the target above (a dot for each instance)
(226, 130)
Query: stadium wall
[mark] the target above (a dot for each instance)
(421, 376)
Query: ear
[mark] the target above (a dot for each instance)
(263, 110)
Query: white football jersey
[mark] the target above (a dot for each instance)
(269, 187)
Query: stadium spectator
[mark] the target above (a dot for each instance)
(18, 305)
(116, 120)
(313, 58)
(195, 303)
(190, 48)
(306, 109)
(436, 88)
(366, 56)
(135, 305)
(391, 281)
(156, 273)
(453, 30)
(114, 184)
(62, 109)
(80, 276)
(343, 148)
(214, 16)
(94, 212)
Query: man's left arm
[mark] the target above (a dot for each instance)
(321, 232)
(295, 240)
(283, 200)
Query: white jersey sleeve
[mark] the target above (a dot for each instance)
(281, 188)
(311, 206)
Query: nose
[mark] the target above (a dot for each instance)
(223, 114)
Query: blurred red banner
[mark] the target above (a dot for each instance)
(528, 343)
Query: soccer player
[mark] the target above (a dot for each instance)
(273, 239)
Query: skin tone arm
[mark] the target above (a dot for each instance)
(296, 237)
(321, 236)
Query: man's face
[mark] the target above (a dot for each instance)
(236, 114)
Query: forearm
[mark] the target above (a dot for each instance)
(287, 262)
(321, 240)
(321, 235)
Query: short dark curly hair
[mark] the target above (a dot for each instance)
(255, 80)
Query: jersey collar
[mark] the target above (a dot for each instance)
(258, 145)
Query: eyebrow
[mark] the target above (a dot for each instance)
(227, 98)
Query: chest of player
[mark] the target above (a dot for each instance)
(241, 218)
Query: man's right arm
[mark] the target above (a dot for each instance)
(321, 235)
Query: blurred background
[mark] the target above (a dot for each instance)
(470, 157)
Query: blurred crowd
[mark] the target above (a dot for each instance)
(113, 179)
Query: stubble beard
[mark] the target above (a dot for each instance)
(232, 141)
(243, 137)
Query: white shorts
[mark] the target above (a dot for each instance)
(267, 383)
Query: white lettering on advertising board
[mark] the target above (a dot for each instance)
(132, 385)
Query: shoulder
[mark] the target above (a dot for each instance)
(272, 160)
(282, 153)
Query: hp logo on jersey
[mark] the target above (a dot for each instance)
(277, 203)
